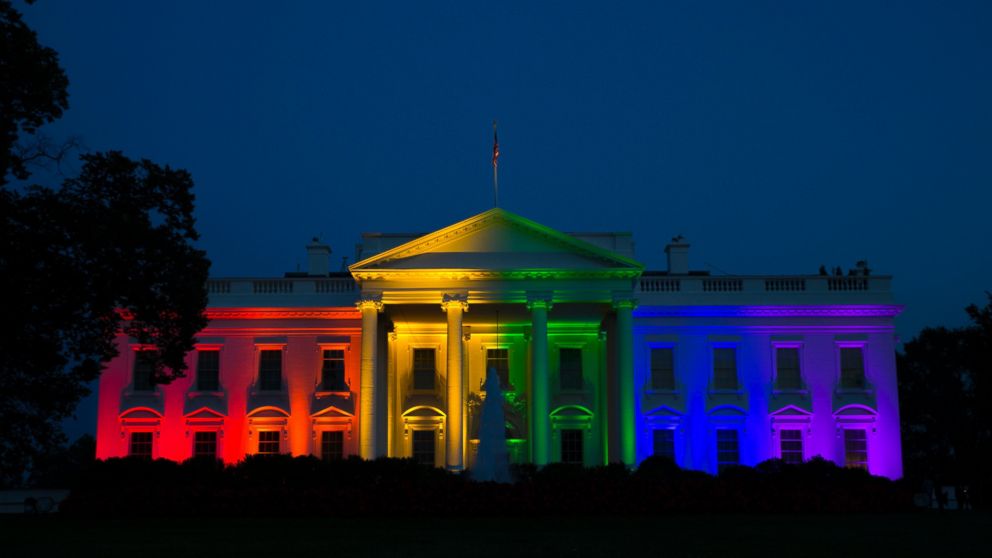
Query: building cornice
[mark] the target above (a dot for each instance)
(489, 274)
(283, 314)
(778, 311)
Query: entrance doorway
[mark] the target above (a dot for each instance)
(423, 447)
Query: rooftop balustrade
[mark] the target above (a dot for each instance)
(661, 288)
(290, 291)
(650, 288)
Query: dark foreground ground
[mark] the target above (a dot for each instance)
(877, 536)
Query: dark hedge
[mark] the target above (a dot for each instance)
(295, 486)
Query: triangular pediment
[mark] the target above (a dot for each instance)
(501, 243)
(791, 411)
(332, 412)
(204, 413)
(664, 411)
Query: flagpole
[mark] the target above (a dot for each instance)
(495, 167)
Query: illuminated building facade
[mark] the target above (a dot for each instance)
(600, 360)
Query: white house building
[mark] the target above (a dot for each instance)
(600, 360)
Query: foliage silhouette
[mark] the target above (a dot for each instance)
(107, 252)
(33, 89)
(945, 398)
(305, 486)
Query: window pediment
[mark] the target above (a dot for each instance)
(791, 411)
(332, 412)
(140, 413)
(205, 413)
(424, 411)
(665, 412)
(268, 412)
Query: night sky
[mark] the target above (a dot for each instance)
(775, 136)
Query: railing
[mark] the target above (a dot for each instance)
(658, 285)
(324, 286)
(218, 286)
(649, 284)
(343, 285)
(723, 285)
(272, 286)
(786, 286)
(780, 285)
(847, 284)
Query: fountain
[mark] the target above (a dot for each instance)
(492, 462)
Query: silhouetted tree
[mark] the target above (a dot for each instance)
(33, 89)
(62, 469)
(945, 394)
(110, 251)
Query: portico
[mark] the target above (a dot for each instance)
(497, 290)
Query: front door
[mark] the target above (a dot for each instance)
(423, 447)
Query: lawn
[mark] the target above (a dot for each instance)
(924, 534)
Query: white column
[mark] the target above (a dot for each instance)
(367, 446)
(540, 421)
(625, 377)
(455, 305)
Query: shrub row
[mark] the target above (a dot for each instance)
(284, 485)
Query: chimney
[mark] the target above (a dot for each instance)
(318, 258)
(678, 256)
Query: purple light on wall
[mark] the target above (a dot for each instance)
(779, 311)
(695, 410)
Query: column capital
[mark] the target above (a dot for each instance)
(539, 300)
(368, 301)
(624, 300)
(454, 300)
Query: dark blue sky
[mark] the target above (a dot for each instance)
(775, 136)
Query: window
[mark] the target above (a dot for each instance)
(205, 444)
(725, 369)
(571, 446)
(208, 370)
(141, 445)
(727, 449)
(499, 360)
(787, 373)
(331, 444)
(270, 370)
(570, 369)
(144, 371)
(662, 369)
(664, 443)
(791, 446)
(423, 369)
(332, 371)
(268, 442)
(423, 447)
(855, 448)
(852, 368)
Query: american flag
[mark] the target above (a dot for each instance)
(495, 146)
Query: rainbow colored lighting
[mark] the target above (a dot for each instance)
(410, 341)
